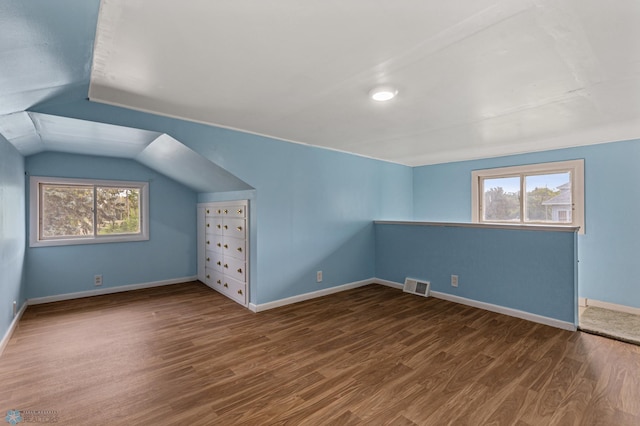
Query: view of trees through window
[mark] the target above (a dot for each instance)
(87, 210)
(548, 198)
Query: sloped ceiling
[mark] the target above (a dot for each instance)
(476, 78)
(32, 133)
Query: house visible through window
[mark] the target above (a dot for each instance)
(549, 193)
(76, 211)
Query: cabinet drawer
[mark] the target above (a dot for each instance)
(235, 211)
(235, 268)
(234, 227)
(209, 225)
(209, 212)
(217, 261)
(235, 289)
(216, 225)
(234, 247)
(213, 278)
(216, 243)
(210, 258)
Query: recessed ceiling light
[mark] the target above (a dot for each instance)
(383, 93)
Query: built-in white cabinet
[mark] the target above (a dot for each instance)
(223, 242)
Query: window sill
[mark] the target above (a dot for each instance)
(532, 227)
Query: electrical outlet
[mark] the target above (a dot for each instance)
(454, 281)
(97, 280)
(319, 276)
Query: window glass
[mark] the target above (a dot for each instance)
(82, 211)
(548, 198)
(502, 199)
(67, 211)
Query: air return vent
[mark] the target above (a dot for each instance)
(413, 286)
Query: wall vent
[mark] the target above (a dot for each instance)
(413, 286)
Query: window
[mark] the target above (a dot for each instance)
(82, 211)
(553, 194)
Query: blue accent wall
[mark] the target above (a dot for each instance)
(12, 232)
(170, 252)
(608, 268)
(531, 271)
(312, 208)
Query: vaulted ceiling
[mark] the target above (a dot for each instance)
(475, 78)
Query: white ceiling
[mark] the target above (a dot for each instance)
(476, 78)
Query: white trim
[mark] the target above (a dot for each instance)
(611, 306)
(34, 212)
(389, 283)
(12, 327)
(491, 307)
(506, 311)
(108, 290)
(312, 295)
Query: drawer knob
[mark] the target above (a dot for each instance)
(219, 282)
(239, 249)
(226, 266)
(239, 211)
(239, 228)
(208, 276)
(240, 292)
(208, 225)
(207, 210)
(226, 285)
(239, 270)
(208, 242)
(208, 259)
(226, 211)
(218, 244)
(226, 227)
(219, 263)
(226, 246)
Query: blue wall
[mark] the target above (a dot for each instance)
(312, 210)
(170, 252)
(531, 271)
(12, 232)
(608, 253)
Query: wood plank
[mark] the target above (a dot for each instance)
(183, 354)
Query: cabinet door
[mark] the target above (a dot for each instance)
(234, 247)
(201, 241)
(233, 227)
(236, 290)
(235, 268)
(217, 225)
(217, 261)
(235, 211)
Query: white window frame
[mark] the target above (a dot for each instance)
(34, 212)
(575, 167)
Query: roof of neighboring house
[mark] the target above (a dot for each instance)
(564, 198)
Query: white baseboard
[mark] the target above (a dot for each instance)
(506, 311)
(12, 327)
(611, 306)
(389, 283)
(307, 296)
(491, 307)
(107, 290)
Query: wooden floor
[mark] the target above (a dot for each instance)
(185, 355)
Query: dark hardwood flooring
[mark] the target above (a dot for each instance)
(185, 355)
